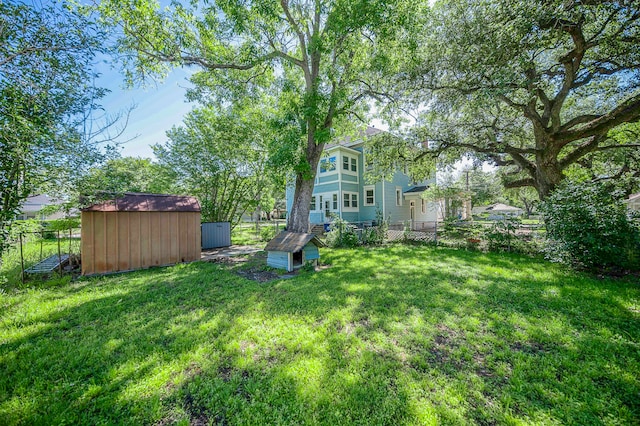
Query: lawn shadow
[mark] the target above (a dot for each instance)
(414, 335)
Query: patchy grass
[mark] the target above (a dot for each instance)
(393, 335)
(33, 251)
(245, 234)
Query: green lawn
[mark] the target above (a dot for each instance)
(395, 335)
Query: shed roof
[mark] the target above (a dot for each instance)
(292, 241)
(137, 202)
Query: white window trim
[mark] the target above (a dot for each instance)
(398, 196)
(326, 196)
(328, 172)
(350, 194)
(364, 195)
(311, 209)
(423, 205)
(348, 171)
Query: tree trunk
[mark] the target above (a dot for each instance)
(547, 176)
(298, 220)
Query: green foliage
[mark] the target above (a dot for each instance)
(342, 234)
(267, 233)
(385, 336)
(538, 88)
(319, 62)
(502, 235)
(588, 227)
(220, 156)
(47, 98)
(125, 174)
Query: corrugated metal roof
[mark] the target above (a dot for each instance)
(136, 202)
(292, 242)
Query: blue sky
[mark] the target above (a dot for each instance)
(159, 106)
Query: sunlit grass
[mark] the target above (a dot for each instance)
(394, 335)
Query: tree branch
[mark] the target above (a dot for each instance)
(624, 113)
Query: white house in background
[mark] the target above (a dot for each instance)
(34, 204)
(498, 211)
(633, 203)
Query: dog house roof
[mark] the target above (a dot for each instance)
(292, 242)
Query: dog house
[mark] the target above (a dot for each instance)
(291, 250)
(137, 231)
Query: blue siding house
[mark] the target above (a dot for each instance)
(340, 190)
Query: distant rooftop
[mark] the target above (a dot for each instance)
(348, 141)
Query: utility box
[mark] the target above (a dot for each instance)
(216, 234)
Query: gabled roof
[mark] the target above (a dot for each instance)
(292, 242)
(634, 197)
(416, 189)
(499, 207)
(137, 202)
(349, 142)
(35, 203)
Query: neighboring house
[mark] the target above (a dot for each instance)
(498, 211)
(340, 190)
(31, 208)
(633, 203)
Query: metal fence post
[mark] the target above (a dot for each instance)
(21, 261)
(59, 256)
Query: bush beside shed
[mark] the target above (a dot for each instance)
(137, 231)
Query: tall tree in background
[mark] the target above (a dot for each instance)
(124, 174)
(46, 95)
(321, 57)
(220, 156)
(538, 87)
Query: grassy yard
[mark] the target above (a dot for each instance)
(395, 335)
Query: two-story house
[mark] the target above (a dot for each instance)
(340, 190)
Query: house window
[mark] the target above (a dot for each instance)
(398, 197)
(345, 162)
(350, 200)
(313, 203)
(424, 206)
(335, 201)
(327, 165)
(354, 165)
(369, 195)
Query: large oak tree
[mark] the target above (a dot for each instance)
(321, 58)
(535, 86)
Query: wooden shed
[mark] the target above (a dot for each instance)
(136, 231)
(291, 250)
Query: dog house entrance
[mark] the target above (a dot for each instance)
(297, 259)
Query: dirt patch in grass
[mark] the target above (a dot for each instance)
(254, 267)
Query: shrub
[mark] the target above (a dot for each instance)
(342, 234)
(267, 233)
(588, 227)
(502, 235)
